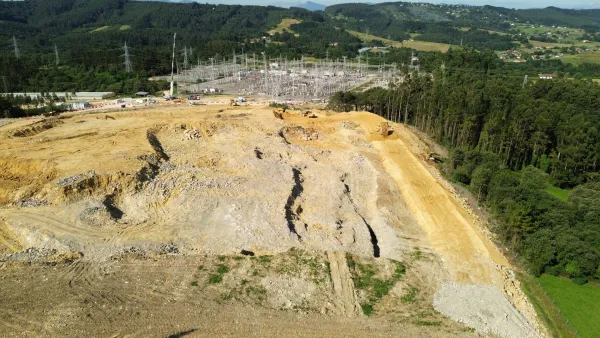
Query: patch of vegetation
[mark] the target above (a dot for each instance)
(194, 283)
(259, 291)
(265, 260)
(200, 267)
(578, 304)
(417, 254)
(410, 296)
(374, 288)
(557, 192)
(367, 309)
(222, 269)
(427, 323)
(221, 258)
(217, 277)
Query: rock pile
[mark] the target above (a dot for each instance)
(192, 134)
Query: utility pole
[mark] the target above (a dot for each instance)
(172, 65)
(17, 51)
(524, 81)
(127, 60)
(56, 54)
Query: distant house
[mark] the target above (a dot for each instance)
(142, 94)
(365, 49)
(547, 76)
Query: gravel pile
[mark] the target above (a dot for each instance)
(30, 203)
(70, 180)
(484, 308)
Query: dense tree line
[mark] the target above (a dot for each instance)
(23, 105)
(511, 140)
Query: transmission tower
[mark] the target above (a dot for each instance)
(5, 86)
(127, 60)
(185, 59)
(172, 65)
(56, 54)
(17, 51)
(524, 81)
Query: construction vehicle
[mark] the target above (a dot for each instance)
(434, 157)
(233, 103)
(384, 129)
(278, 113)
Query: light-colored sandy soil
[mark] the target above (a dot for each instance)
(122, 218)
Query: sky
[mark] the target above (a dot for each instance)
(578, 4)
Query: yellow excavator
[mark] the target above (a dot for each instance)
(278, 113)
(384, 129)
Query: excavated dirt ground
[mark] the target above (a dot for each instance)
(204, 221)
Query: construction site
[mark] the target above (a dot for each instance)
(176, 220)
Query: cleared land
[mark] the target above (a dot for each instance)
(549, 44)
(285, 25)
(577, 303)
(186, 219)
(418, 45)
(99, 29)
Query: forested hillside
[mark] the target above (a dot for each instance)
(446, 23)
(511, 140)
(89, 36)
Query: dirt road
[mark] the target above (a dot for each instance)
(452, 232)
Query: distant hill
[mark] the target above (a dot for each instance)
(312, 6)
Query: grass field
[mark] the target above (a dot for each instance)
(549, 44)
(547, 311)
(99, 29)
(285, 24)
(575, 34)
(124, 27)
(418, 45)
(592, 57)
(579, 304)
(557, 192)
